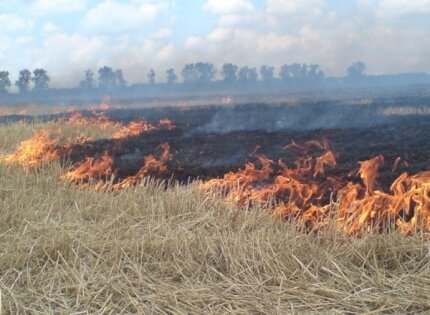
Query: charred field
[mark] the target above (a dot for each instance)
(208, 141)
(313, 161)
(205, 155)
(301, 208)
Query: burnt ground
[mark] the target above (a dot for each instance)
(200, 150)
(209, 141)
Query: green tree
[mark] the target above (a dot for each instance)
(40, 79)
(5, 83)
(23, 82)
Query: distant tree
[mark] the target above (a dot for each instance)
(201, 72)
(267, 73)
(356, 70)
(284, 72)
(291, 71)
(120, 82)
(300, 71)
(314, 71)
(88, 82)
(252, 74)
(111, 79)
(40, 79)
(107, 78)
(23, 82)
(151, 76)
(205, 71)
(189, 73)
(229, 72)
(248, 74)
(171, 76)
(5, 83)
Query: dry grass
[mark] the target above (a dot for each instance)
(176, 251)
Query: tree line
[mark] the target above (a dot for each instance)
(193, 73)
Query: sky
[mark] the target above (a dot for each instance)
(66, 37)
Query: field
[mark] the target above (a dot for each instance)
(169, 248)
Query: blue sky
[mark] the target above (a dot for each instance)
(68, 36)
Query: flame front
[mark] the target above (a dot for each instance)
(35, 151)
(91, 168)
(134, 128)
(298, 193)
(298, 189)
(151, 165)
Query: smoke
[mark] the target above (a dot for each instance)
(303, 117)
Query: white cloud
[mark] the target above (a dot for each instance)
(166, 53)
(294, 7)
(276, 43)
(13, 23)
(84, 51)
(221, 34)
(138, 35)
(115, 16)
(193, 42)
(23, 41)
(162, 34)
(309, 32)
(239, 20)
(228, 6)
(67, 56)
(401, 7)
(50, 28)
(54, 7)
(6, 42)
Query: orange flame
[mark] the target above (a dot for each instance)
(91, 168)
(35, 151)
(297, 193)
(166, 123)
(327, 158)
(135, 128)
(302, 191)
(151, 165)
(369, 171)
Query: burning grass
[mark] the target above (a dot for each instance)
(302, 191)
(182, 250)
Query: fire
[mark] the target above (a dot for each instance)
(166, 123)
(134, 128)
(300, 193)
(35, 151)
(369, 171)
(246, 176)
(151, 165)
(91, 168)
(328, 159)
(100, 170)
(301, 188)
(44, 145)
(412, 194)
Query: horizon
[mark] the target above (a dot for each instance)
(67, 37)
(357, 76)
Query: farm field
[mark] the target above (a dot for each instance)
(113, 215)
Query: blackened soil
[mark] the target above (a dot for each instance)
(212, 140)
(209, 155)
